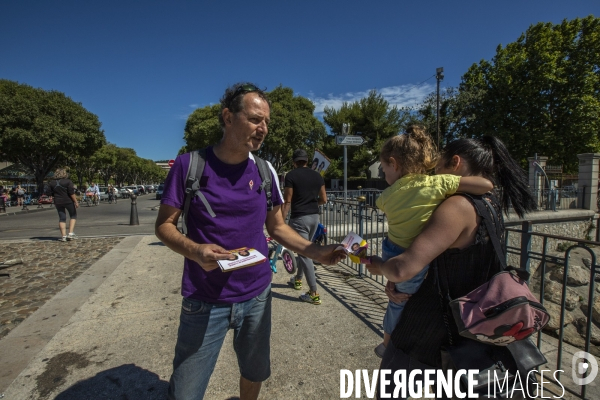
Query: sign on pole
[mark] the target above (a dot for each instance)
(349, 140)
(171, 162)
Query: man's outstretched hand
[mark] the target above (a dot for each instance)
(328, 255)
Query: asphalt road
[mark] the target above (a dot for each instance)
(102, 220)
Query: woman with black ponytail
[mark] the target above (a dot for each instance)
(457, 245)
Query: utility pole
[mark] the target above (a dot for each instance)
(345, 131)
(439, 76)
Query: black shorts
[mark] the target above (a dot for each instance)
(62, 216)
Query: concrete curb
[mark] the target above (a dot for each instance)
(21, 211)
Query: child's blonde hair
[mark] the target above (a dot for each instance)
(414, 151)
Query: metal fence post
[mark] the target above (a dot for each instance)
(527, 228)
(361, 211)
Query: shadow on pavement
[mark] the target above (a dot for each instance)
(280, 286)
(156, 244)
(125, 382)
(353, 299)
(284, 297)
(47, 238)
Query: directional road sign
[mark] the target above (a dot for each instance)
(171, 162)
(349, 140)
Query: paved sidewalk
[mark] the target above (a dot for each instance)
(110, 334)
(118, 329)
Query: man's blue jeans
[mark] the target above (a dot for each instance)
(202, 330)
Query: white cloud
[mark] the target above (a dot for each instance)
(194, 106)
(400, 96)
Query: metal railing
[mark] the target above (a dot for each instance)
(370, 195)
(527, 257)
(342, 217)
(558, 199)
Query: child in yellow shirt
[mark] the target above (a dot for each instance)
(409, 202)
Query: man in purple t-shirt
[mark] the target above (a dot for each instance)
(215, 301)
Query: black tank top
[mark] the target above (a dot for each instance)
(421, 331)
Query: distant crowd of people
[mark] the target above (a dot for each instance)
(13, 196)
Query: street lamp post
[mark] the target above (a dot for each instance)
(439, 76)
(345, 132)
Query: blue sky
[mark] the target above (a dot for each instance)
(144, 66)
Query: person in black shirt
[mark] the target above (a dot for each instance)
(63, 191)
(304, 191)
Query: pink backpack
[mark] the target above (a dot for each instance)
(502, 310)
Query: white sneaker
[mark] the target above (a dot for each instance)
(72, 236)
(379, 350)
(63, 239)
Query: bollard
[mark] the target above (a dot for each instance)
(361, 208)
(133, 216)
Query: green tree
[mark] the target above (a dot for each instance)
(150, 172)
(125, 162)
(157, 174)
(105, 161)
(292, 126)
(82, 168)
(540, 94)
(454, 105)
(41, 129)
(373, 119)
(202, 128)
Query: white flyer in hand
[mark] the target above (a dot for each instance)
(244, 257)
(355, 247)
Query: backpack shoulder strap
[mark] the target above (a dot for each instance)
(192, 186)
(192, 183)
(265, 176)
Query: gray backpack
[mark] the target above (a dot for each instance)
(192, 184)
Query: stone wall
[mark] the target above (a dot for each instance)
(578, 224)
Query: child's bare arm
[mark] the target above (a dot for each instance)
(474, 185)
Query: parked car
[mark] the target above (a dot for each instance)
(133, 190)
(159, 191)
(103, 193)
(125, 192)
(44, 199)
(150, 188)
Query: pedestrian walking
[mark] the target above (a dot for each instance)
(304, 191)
(20, 192)
(65, 201)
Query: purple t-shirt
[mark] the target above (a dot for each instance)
(241, 211)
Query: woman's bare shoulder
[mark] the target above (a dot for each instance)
(456, 204)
